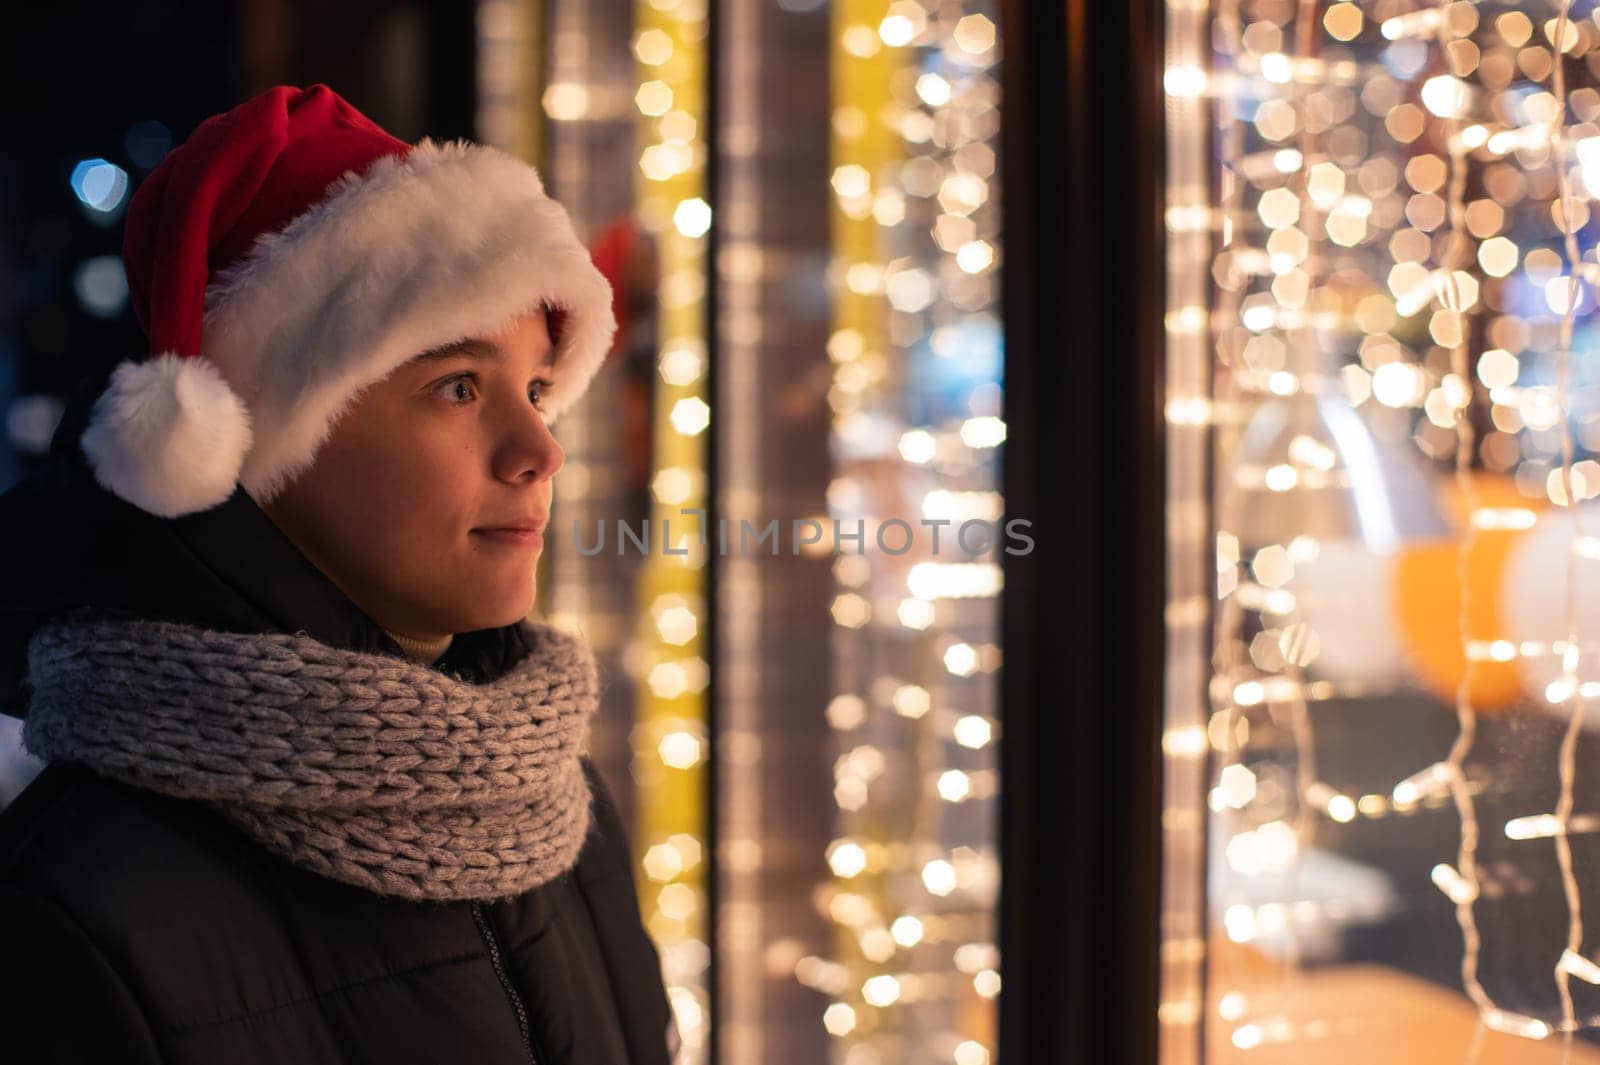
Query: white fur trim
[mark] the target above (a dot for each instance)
(168, 435)
(454, 240)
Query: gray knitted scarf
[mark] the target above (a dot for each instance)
(366, 768)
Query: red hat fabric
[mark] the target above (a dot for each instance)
(289, 254)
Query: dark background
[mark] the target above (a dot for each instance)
(79, 76)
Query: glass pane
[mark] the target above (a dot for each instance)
(809, 281)
(1381, 796)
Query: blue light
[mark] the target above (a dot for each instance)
(102, 286)
(100, 185)
(1405, 59)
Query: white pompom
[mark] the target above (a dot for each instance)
(168, 435)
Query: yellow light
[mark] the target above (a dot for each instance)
(659, 162)
(1397, 384)
(962, 193)
(1498, 256)
(973, 731)
(907, 930)
(682, 363)
(851, 180)
(918, 446)
(1456, 887)
(1569, 33)
(672, 485)
(850, 610)
(680, 750)
(847, 859)
(975, 257)
(864, 279)
(565, 101)
(860, 41)
(955, 580)
(954, 785)
(911, 700)
(877, 945)
(1276, 68)
(881, 990)
(849, 122)
(846, 712)
(678, 126)
(1514, 28)
(1236, 786)
(971, 1053)
(1278, 208)
(909, 290)
(677, 625)
(688, 848)
(916, 614)
(846, 345)
(668, 680)
(1498, 368)
(662, 862)
(1343, 22)
(653, 47)
(951, 231)
(690, 415)
(1184, 82)
(961, 659)
(692, 217)
(1325, 185)
(939, 877)
(839, 1019)
(1559, 291)
(1446, 96)
(934, 90)
(896, 31)
(654, 98)
(888, 208)
(974, 34)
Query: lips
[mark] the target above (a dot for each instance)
(525, 525)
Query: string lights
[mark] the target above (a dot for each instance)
(915, 397)
(1383, 271)
(668, 653)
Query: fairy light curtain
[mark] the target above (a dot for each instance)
(1382, 786)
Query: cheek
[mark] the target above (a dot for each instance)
(409, 505)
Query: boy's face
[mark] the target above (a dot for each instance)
(397, 506)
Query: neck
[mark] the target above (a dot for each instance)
(418, 649)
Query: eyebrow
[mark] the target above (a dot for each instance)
(478, 349)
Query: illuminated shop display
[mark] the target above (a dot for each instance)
(915, 400)
(1381, 778)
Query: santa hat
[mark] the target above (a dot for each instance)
(291, 253)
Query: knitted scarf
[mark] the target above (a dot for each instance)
(369, 769)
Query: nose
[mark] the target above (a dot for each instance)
(527, 449)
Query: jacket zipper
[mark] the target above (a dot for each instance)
(492, 941)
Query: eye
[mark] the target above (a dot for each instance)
(457, 388)
(536, 392)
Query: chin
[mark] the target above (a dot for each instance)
(482, 615)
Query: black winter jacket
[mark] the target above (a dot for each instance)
(137, 928)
